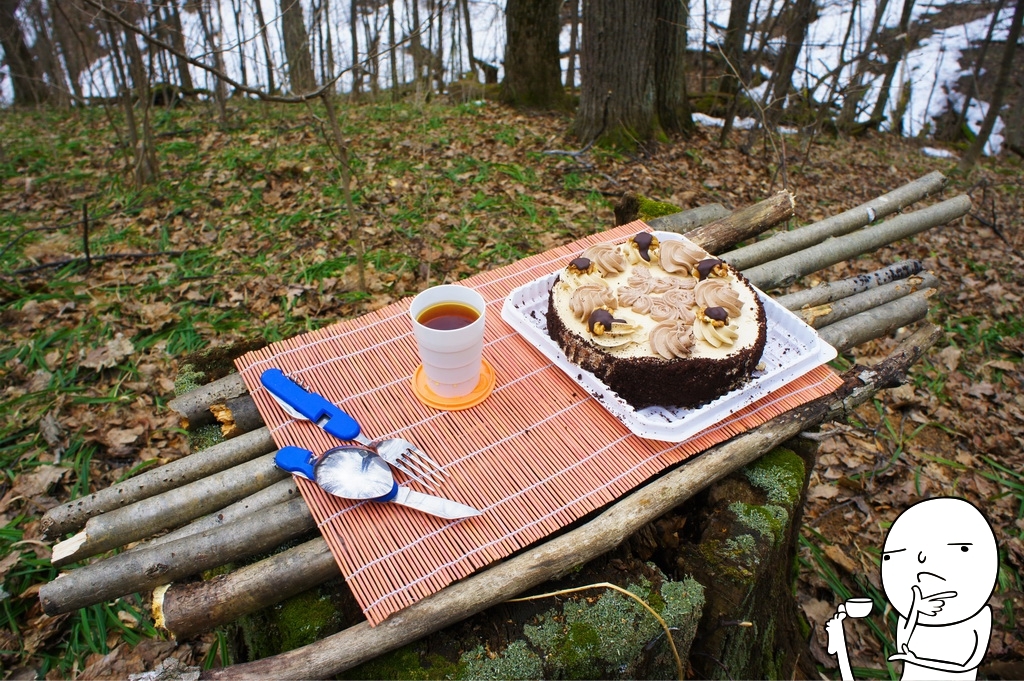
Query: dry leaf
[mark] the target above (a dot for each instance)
(981, 390)
(119, 437)
(822, 492)
(839, 557)
(109, 355)
(950, 357)
(39, 481)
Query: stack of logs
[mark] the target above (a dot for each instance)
(229, 502)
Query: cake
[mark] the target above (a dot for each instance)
(660, 322)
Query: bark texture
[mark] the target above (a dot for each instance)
(617, 93)
(533, 76)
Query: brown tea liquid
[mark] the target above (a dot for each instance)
(448, 316)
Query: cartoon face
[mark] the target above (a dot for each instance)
(940, 545)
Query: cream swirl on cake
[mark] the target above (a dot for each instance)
(659, 320)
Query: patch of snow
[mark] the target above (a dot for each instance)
(938, 153)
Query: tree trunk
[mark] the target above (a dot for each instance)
(671, 99)
(392, 52)
(46, 51)
(972, 85)
(878, 113)
(617, 93)
(732, 47)
(855, 89)
(173, 15)
(998, 90)
(467, 22)
(532, 74)
(26, 82)
(804, 11)
(574, 42)
(357, 68)
(271, 87)
(296, 47)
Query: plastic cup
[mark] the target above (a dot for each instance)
(858, 607)
(451, 357)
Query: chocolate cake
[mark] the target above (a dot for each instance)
(659, 322)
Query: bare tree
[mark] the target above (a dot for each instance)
(574, 41)
(894, 56)
(532, 74)
(998, 89)
(26, 81)
(855, 89)
(800, 16)
(296, 47)
(262, 27)
(617, 93)
(672, 101)
(172, 19)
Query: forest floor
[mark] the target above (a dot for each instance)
(248, 237)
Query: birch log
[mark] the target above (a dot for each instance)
(829, 313)
(169, 509)
(237, 416)
(786, 243)
(881, 321)
(279, 492)
(184, 610)
(132, 571)
(194, 406)
(72, 515)
(686, 220)
(346, 649)
(742, 224)
(788, 269)
(835, 290)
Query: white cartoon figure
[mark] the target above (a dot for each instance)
(939, 567)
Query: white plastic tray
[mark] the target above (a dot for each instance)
(792, 349)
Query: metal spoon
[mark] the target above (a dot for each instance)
(354, 472)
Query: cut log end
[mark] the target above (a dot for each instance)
(64, 552)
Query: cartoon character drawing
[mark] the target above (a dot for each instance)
(939, 568)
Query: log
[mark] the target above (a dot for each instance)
(742, 224)
(688, 220)
(237, 415)
(133, 571)
(170, 509)
(788, 269)
(829, 313)
(334, 654)
(184, 610)
(834, 290)
(194, 406)
(875, 323)
(785, 243)
(279, 492)
(72, 515)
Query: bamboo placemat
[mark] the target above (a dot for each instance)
(537, 455)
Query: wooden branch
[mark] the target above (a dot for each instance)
(788, 269)
(169, 509)
(876, 323)
(834, 290)
(786, 243)
(279, 492)
(742, 224)
(194, 406)
(237, 415)
(184, 610)
(73, 515)
(142, 570)
(829, 313)
(334, 654)
(689, 220)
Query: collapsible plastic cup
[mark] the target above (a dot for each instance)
(451, 356)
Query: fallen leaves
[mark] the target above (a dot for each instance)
(108, 355)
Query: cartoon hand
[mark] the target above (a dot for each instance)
(930, 605)
(906, 656)
(834, 629)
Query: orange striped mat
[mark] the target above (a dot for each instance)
(537, 455)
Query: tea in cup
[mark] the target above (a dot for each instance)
(448, 323)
